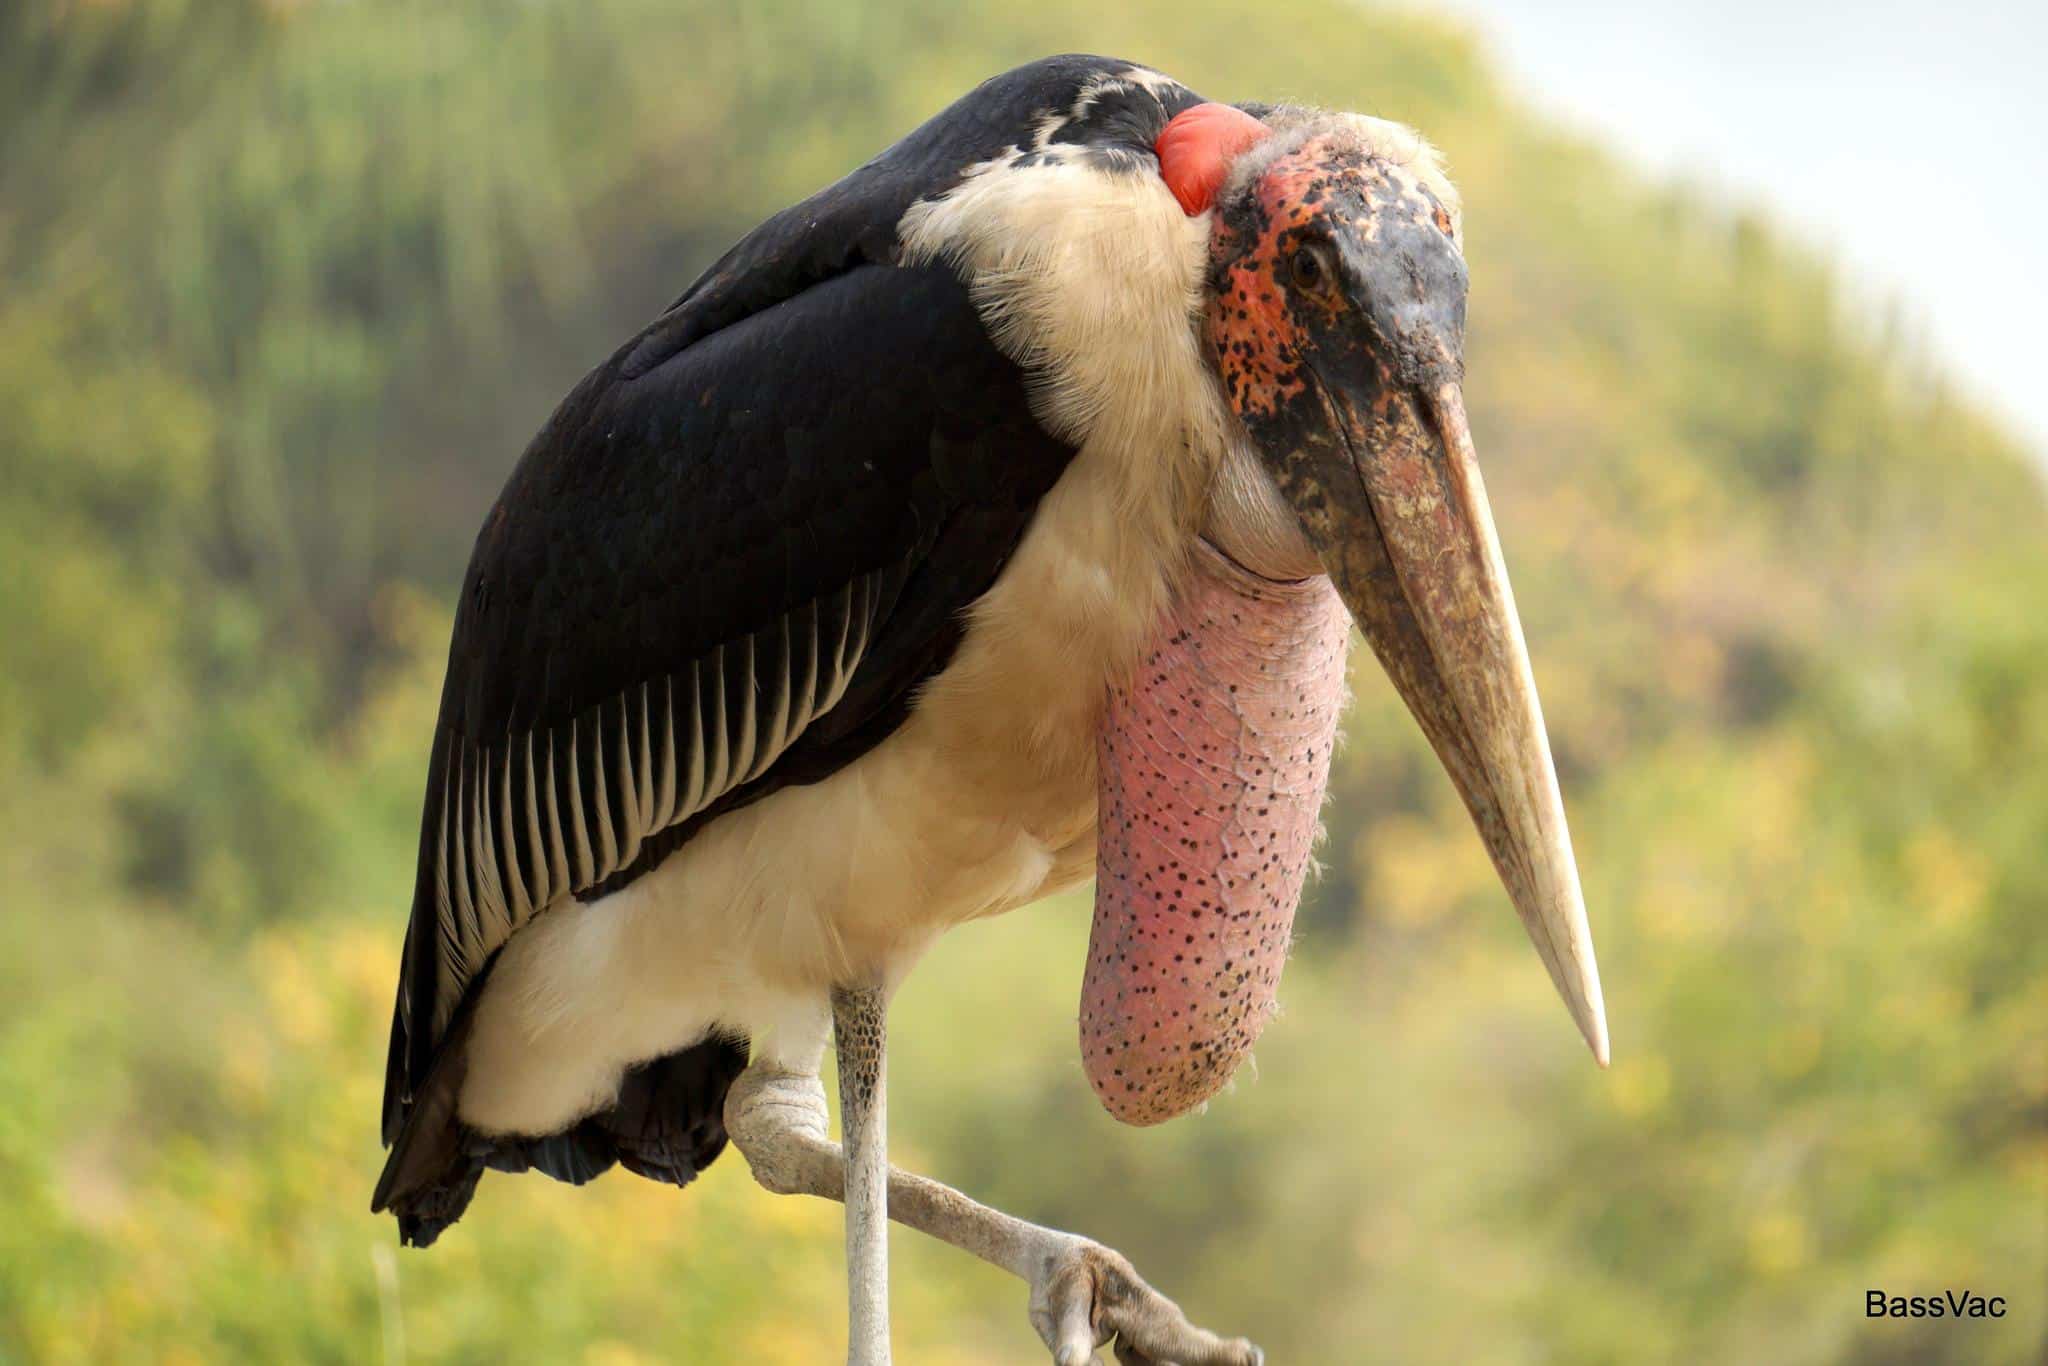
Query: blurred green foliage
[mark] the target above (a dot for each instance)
(283, 289)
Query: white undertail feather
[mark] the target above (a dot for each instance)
(558, 848)
(519, 902)
(536, 842)
(700, 775)
(490, 896)
(465, 912)
(639, 778)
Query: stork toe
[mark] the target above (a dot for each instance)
(1087, 1295)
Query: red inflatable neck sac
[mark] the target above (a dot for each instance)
(1212, 764)
(1196, 148)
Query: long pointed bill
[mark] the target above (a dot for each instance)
(1399, 517)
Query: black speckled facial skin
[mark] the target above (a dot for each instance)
(1338, 267)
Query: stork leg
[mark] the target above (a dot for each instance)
(1082, 1294)
(860, 1035)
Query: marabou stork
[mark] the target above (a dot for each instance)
(994, 517)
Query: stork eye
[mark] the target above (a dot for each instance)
(1311, 273)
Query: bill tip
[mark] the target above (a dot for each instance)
(1594, 1027)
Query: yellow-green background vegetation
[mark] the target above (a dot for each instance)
(283, 289)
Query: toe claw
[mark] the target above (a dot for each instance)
(1086, 1295)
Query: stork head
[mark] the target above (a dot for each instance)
(1335, 317)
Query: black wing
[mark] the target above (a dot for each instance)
(732, 554)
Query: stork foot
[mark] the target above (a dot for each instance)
(1084, 1295)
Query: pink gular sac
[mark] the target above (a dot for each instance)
(1213, 763)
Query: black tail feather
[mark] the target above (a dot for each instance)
(668, 1124)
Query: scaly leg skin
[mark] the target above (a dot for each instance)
(1083, 1295)
(859, 1033)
